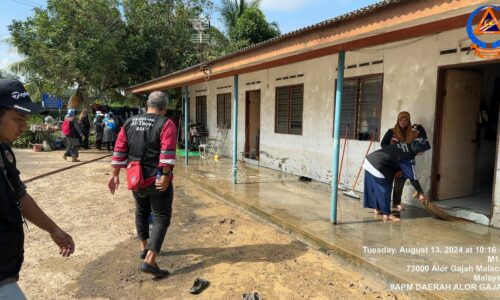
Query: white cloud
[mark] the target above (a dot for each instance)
(287, 5)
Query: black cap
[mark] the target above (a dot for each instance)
(13, 95)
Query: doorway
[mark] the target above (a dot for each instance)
(252, 127)
(465, 139)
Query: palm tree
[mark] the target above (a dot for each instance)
(232, 9)
(16, 67)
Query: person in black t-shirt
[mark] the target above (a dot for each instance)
(15, 203)
(382, 165)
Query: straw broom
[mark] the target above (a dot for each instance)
(439, 212)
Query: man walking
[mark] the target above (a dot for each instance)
(151, 140)
(15, 203)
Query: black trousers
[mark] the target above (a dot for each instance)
(84, 141)
(110, 146)
(149, 200)
(397, 190)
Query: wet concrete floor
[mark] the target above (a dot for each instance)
(430, 258)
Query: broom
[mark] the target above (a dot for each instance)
(342, 186)
(351, 193)
(439, 212)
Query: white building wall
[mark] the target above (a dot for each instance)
(410, 71)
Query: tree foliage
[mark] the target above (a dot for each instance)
(252, 28)
(245, 23)
(231, 10)
(104, 45)
(98, 47)
(158, 36)
(7, 75)
(72, 42)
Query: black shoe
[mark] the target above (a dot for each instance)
(199, 285)
(154, 270)
(143, 253)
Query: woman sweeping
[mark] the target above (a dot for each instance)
(382, 165)
(403, 132)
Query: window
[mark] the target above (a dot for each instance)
(289, 105)
(361, 107)
(201, 110)
(224, 110)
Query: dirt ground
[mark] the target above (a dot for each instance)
(207, 238)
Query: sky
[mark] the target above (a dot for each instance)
(289, 14)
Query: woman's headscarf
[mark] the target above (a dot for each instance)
(406, 135)
(71, 112)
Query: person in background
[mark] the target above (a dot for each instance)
(109, 132)
(72, 136)
(151, 140)
(382, 165)
(15, 202)
(84, 124)
(99, 129)
(403, 132)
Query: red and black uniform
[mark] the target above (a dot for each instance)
(131, 145)
(132, 140)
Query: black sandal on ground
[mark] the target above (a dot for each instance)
(199, 285)
(251, 296)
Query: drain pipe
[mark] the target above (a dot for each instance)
(336, 137)
(235, 127)
(186, 119)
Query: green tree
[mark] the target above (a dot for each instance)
(72, 42)
(7, 75)
(158, 36)
(231, 10)
(98, 47)
(245, 24)
(252, 28)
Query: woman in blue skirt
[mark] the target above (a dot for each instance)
(382, 165)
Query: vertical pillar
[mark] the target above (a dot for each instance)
(235, 127)
(186, 122)
(336, 138)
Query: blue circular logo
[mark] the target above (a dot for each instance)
(470, 30)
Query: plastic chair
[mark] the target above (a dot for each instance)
(214, 146)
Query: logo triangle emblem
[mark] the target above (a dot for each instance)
(489, 23)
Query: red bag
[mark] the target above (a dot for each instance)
(134, 175)
(66, 128)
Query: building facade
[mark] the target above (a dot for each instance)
(410, 56)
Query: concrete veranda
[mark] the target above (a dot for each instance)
(430, 258)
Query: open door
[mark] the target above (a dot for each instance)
(252, 128)
(461, 102)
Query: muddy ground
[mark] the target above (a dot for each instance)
(207, 238)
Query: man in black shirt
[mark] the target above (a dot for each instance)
(15, 203)
(382, 165)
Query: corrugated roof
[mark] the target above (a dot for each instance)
(327, 23)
